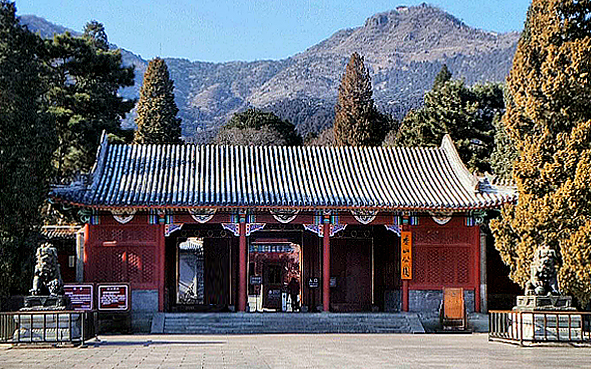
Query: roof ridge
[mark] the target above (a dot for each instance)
(99, 165)
(467, 179)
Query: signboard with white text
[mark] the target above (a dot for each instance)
(113, 297)
(81, 296)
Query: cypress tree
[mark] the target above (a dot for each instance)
(27, 141)
(549, 120)
(357, 122)
(156, 110)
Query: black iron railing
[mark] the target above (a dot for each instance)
(523, 327)
(59, 327)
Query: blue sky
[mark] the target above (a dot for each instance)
(225, 30)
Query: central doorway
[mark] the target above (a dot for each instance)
(200, 269)
(274, 275)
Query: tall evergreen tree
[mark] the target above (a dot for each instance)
(27, 140)
(156, 110)
(85, 78)
(357, 121)
(443, 76)
(549, 120)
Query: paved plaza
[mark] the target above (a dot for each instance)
(298, 351)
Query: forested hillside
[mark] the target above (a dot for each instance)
(403, 49)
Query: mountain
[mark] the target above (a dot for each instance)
(403, 49)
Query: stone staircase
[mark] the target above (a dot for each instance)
(269, 323)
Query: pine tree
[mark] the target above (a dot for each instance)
(96, 31)
(466, 114)
(156, 120)
(257, 127)
(84, 81)
(27, 141)
(549, 121)
(504, 153)
(357, 121)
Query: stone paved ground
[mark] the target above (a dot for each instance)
(298, 351)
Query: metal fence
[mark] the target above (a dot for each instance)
(57, 327)
(525, 327)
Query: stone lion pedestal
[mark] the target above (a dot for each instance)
(543, 313)
(45, 318)
(48, 327)
(547, 318)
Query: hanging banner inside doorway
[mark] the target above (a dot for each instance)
(406, 255)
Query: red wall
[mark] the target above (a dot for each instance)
(124, 253)
(445, 255)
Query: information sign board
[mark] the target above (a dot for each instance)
(113, 297)
(314, 282)
(81, 296)
(256, 280)
(333, 282)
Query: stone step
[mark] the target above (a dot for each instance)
(257, 323)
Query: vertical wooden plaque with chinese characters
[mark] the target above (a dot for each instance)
(406, 255)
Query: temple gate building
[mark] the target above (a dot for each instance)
(214, 228)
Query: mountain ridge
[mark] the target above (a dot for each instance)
(403, 49)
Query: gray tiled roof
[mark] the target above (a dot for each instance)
(184, 176)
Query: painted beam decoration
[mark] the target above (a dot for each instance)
(202, 215)
(364, 216)
(319, 228)
(123, 216)
(250, 228)
(169, 228)
(393, 228)
(441, 218)
(285, 215)
(406, 255)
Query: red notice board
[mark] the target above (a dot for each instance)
(81, 296)
(113, 297)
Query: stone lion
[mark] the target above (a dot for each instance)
(543, 279)
(48, 279)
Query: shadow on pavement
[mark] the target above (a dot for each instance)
(153, 343)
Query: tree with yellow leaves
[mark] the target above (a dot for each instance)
(548, 118)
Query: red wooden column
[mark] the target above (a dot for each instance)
(242, 287)
(404, 295)
(404, 281)
(161, 258)
(326, 266)
(86, 251)
(476, 245)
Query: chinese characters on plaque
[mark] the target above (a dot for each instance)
(406, 255)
